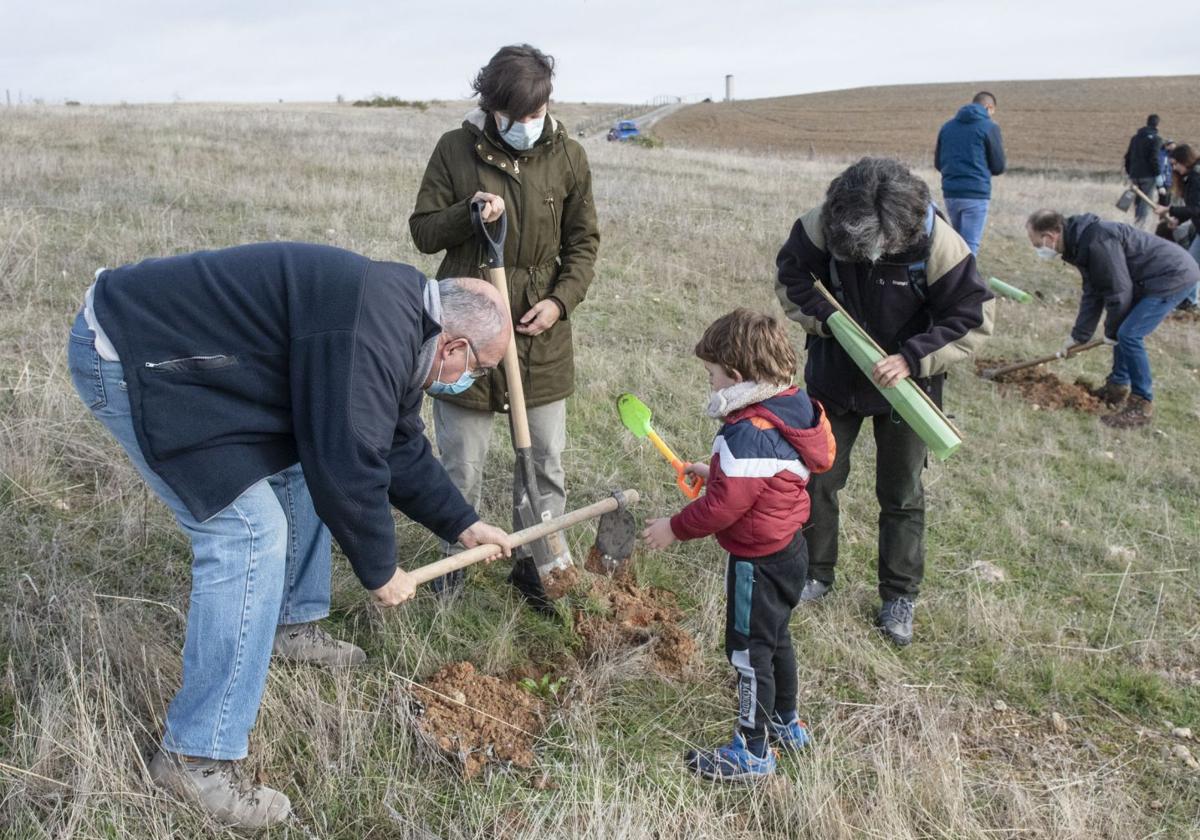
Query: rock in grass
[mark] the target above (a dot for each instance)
(1058, 723)
(999, 705)
(988, 572)
(1182, 732)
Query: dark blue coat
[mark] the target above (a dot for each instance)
(243, 361)
(969, 152)
(1120, 265)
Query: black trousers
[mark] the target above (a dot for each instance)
(899, 460)
(760, 594)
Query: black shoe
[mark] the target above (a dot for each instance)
(1187, 306)
(448, 584)
(525, 578)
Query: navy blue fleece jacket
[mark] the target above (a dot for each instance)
(243, 361)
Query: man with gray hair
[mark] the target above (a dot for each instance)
(270, 395)
(904, 274)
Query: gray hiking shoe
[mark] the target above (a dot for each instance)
(218, 789)
(896, 620)
(814, 590)
(311, 644)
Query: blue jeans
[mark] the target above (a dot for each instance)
(1131, 365)
(1194, 250)
(968, 216)
(262, 561)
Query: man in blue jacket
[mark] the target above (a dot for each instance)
(969, 152)
(1131, 277)
(269, 395)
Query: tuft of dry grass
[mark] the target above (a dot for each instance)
(1097, 531)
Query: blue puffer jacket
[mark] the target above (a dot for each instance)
(969, 152)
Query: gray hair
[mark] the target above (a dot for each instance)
(876, 207)
(470, 313)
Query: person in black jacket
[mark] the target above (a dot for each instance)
(1142, 165)
(265, 392)
(1131, 277)
(1185, 165)
(910, 281)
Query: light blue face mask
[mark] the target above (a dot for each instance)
(522, 135)
(438, 388)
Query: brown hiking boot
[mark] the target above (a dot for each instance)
(1136, 413)
(217, 788)
(311, 644)
(1113, 396)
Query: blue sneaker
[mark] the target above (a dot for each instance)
(791, 735)
(734, 763)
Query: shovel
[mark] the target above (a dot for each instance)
(615, 538)
(613, 516)
(546, 554)
(992, 373)
(636, 417)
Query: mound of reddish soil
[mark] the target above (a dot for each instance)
(479, 719)
(561, 581)
(1044, 390)
(635, 616)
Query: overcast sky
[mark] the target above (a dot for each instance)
(625, 50)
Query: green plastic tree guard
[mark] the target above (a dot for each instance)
(1001, 288)
(941, 438)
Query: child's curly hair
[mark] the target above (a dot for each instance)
(751, 344)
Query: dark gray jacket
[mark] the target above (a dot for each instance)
(1121, 265)
(1141, 158)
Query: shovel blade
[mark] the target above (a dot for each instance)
(635, 414)
(612, 553)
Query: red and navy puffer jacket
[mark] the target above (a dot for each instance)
(755, 500)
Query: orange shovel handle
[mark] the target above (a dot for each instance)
(691, 485)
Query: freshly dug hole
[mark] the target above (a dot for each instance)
(1043, 389)
(479, 719)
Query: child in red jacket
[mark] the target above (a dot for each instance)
(772, 437)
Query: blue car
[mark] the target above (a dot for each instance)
(624, 130)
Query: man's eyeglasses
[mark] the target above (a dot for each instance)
(475, 372)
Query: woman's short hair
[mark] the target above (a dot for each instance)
(517, 81)
(876, 207)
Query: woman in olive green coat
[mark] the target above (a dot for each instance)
(515, 156)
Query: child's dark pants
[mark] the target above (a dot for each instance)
(760, 594)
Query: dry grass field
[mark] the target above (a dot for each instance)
(1073, 125)
(1039, 706)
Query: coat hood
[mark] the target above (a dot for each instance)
(800, 420)
(1076, 227)
(973, 112)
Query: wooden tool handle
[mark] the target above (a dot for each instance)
(992, 373)
(512, 369)
(542, 530)
(1142, 195)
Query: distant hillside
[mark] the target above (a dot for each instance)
(1070, 124)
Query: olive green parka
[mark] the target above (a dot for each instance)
(551, 247)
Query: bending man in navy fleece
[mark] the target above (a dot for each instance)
(910, 281)
(265, 392)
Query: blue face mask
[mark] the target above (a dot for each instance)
(522, 135)
(438, 388)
